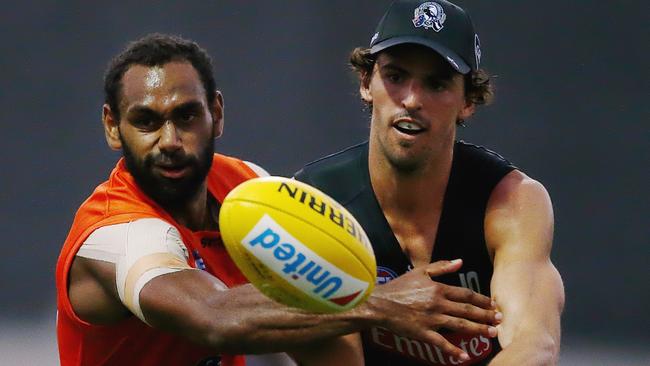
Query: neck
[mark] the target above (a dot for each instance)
(413, 193)
(194, 213)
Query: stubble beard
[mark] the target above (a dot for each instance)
(400, 157)
(169, 193)
(403, 162)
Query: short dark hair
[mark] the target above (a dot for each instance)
(154, 50)
(478, 87)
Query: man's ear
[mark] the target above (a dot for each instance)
(467, 111)
(364, 87)
(217, 110)
(111, 128)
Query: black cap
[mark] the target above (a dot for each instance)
(440, 25)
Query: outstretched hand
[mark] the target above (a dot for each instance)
(416, 306)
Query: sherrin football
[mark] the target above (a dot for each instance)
(297, 245)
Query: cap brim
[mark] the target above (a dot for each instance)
(452, 57)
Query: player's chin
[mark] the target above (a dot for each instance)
(406, 161)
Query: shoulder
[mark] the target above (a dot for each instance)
(517, 188)
(476, 171)
(471, 154)
(232, 169)
(109, 242)
(340, 175)
(338, 162)
(142, 225)
(261, 172)
(519, 210)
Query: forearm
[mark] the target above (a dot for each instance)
(256, 324)
(526, 286)
(195, 305)
(242, 320)
(530, 331)
(530, 350)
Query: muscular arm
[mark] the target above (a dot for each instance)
(242, 320)
(526, 286)
(196, 305)
(193, 304)
(237, 320)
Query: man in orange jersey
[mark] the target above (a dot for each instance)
(143, 277)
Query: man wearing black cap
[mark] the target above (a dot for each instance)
(422, 196)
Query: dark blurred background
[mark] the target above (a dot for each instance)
(572, 98)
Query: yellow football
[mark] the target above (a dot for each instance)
(297, 245)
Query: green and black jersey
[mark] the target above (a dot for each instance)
(474, 173)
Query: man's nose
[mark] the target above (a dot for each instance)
(413, 98)
(170, 139)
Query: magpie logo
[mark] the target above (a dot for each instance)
(429, 15)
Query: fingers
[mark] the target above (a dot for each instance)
(465, 295)
(442, 267)
(471, 312)
(466, 326)
(447, 347)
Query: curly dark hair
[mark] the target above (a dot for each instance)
(154, 50)
(478, 88)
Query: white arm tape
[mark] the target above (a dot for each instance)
(141, 250)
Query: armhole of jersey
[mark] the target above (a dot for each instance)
(261, 172)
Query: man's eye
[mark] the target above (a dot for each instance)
(144, 122)
(437, 85)
(187, 117)
(394, 78)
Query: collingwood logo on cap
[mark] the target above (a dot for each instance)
(429, 15)
(374, 38)
(477, 50)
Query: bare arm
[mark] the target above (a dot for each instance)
(237, 320)
(423, 306)
(525, 284)
(192, 304)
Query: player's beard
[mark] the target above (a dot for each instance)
(169, 193)
(400, 155)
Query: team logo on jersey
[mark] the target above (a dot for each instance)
(477, 49)
(385, 275)
(429, 15)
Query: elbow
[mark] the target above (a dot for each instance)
(551, 348)
(547, 350)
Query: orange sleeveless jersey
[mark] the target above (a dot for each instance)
(132, 342)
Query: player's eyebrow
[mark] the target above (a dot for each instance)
(190, 106)
(435, 74)
(390, 66)
(142, 110)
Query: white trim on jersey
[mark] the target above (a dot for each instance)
(261, 172)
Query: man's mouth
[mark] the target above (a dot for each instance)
(173, 171)
(409, 128)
